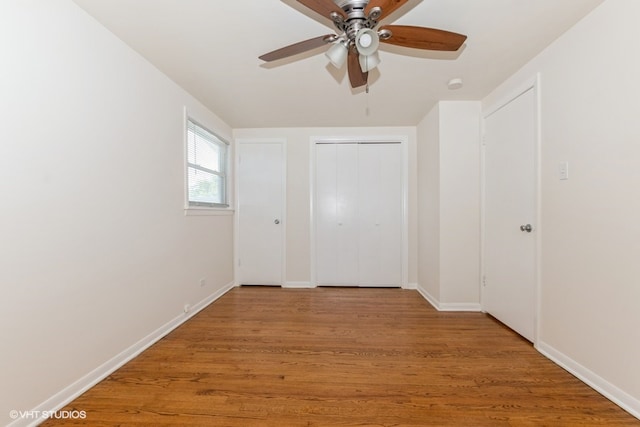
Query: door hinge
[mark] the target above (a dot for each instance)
(484, 280)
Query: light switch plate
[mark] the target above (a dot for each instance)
(564, 170)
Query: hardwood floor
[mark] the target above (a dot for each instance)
(341, 357)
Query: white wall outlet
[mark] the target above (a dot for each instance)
(203, 281)
(187, 308)
(563, 170)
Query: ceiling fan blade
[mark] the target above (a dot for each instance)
(424, 38)
(387, 6)
(297, 48)
(323, 7)
(356, 76)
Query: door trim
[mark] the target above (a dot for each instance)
(534, 84)
(404, 143)
(236, 187)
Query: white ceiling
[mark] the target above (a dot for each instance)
(211, 48)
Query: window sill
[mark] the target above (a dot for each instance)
(195, 211)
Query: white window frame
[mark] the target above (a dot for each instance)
(193, 207)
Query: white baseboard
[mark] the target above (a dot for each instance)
(440, 306)
(460, 306)
(74, 390)
(593, 380)
(411, 286)
(430, 299)
(298, 285)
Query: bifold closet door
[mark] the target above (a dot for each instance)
(358, 214)
(337, 214)
(380, 214)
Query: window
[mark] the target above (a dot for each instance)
(207, 159)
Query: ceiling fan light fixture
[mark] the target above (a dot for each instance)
(337, 54)
(356, 43)
(369, 62)
(367, 41)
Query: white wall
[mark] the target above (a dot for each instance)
(298, 260)
(589, 231)
(428, 134)
(96, 252)
(460, 202)
(449, 202)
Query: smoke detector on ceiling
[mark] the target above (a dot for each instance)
(455, 84)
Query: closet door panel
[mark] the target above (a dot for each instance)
(326, 214)
(337, 214)
(346, 245)
(380, 202)
(369, 203)
(390, 215)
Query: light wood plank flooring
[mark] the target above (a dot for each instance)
(341, 357)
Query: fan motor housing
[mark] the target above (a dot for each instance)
(356, 18)
(353, 8)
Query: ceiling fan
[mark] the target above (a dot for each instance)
(359, 36)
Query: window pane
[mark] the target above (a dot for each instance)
(204, 153)
(205, 187)
(206, 167)
(207, 155)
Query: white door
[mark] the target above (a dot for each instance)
(260, 174)
(380, 214)
(510, 214)
(337, 214)
(358, 214)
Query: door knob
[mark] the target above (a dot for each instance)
(276, 222)
(528, 228)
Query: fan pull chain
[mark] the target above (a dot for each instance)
(367, 110)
